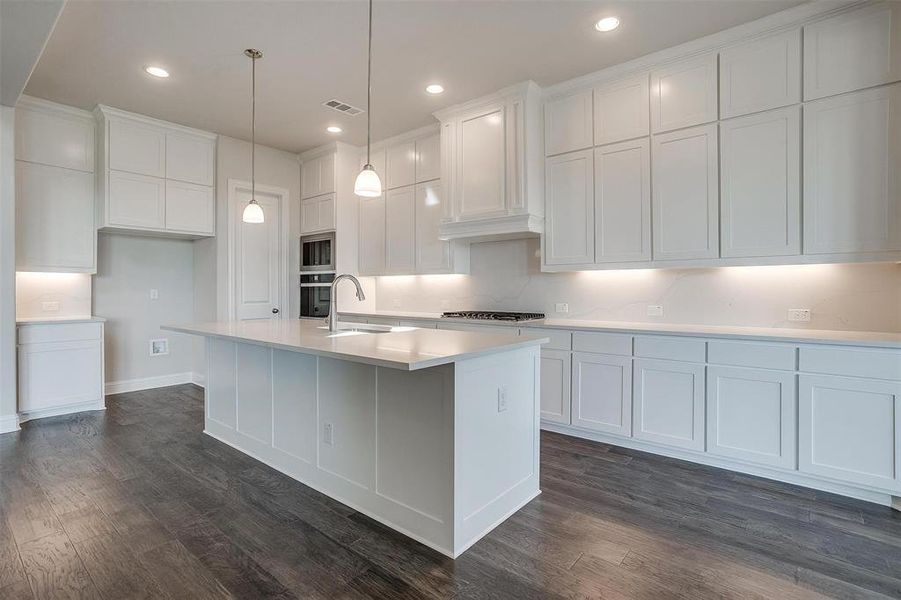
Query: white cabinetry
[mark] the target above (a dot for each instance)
(401, 164)
(669, 403)
(760, 158)
(621, 110)
(602, 392)
(852, 184)
(433, 255)
(317, 214)
(156, 177)
(372, 236)
(400, 228)
(760, 75)
(317, 175)
(569, 232)
(567, 123)
(318, 203)
(853, 51)
(684, 94)
(428, 158)
(555, 385)
(622, 202)
(685, 194)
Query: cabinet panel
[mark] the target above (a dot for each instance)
(400, 230)
(317, 213)
(137, 148)
(761, 184)
(190, 208)
(569, 227)
(428, 158)
(685, 205)
(559, 339)
(317, 176)
(669, 403)
(52, 137)
(874, 363)
(603, 343)
(433, 255)
(853, 205)
(54, 219)
(136, 200)
(760, 75)
(326, 174)
(401, 165)
(379, 159)
(671, 347)
(372, 236)
(850, 429)
(555, 386)
(567, 124)
(684, 94)
(481, 164)
(190, 158)
(751, 415)
(53, 375)
(621, 110)
(852, 51)
(622, 197)
(602, 392)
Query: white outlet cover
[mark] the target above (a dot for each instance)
(501, 399)
(655, 310)
(800, 315)
(50, 306)
(159, 347)
(561, 307)
(154, 294)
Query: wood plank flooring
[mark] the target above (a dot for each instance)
(135, 502)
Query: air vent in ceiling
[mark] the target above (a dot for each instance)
(343, 107)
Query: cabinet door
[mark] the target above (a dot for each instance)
(569, 202)
(401, 165)
(751, 415)
(190, 208)
(326, 179)
(567, 124)
(853, 205)
(190, 158)
(54, 138)
(136, 201)
(852, 51)
(555, 386)
(850, 429)
(760, 75)
(58, 374)
(684, 94)
(602, 392)
(760, 165)
(669, 403)
(400, 229)
(372, 236)
(685, 204)
(433, 255)
(621, 110)
(622, 201)
(309, 178)
(137, 148)
(480, 178)
(54, 219)
(428, 158)
(327, 212)
(309, 215)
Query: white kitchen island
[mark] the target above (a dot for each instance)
(433, 433)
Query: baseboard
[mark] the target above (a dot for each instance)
(148, 383)
(62, 410)
(198, 379)
(9, 423)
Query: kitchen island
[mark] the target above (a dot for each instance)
(433, 433)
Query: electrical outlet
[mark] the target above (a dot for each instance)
(561, 307)
(50, 306)
(328, 434)
(655, 310)
(801, 315)
(159, 347)
(154, 294)
(501, 399)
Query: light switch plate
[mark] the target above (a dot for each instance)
(801, 315)
(655, 310)
(501, 399)
(154, 294)
(50, 306)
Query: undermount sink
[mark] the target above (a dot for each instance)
(359, 328)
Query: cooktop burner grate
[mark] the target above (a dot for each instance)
(488, 315)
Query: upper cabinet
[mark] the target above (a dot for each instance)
(621, 110)
(760, 75)
(567, 123)
(684, 94)
(55, 135)
(428, 158)
(622, 202)
(492, 165)
(400, 226)
(433, 255)
(401, 166)
(569, 230)
(317, 175)
(853, 51)
(156, 177)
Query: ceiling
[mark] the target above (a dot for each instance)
(316, 50)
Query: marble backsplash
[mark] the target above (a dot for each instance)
(506, 276)
(69, 293)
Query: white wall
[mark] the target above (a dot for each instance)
(8, 403)
(506, 275)
(71, 290)
(128, 267)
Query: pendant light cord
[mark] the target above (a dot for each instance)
(253, 128)
(369, 91)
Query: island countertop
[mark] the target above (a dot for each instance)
(406, 348)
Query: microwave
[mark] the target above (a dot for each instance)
(317, 252)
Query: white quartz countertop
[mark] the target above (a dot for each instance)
(55, 320)
(814, 336)
(406, 348)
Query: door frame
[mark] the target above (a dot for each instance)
(233, 221)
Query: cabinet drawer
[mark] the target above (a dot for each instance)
(752, 354)
(604, 343)
(685, 349)
(414, 323)
(560, 340)
(855, 362)
(479, 328)
(59, 332)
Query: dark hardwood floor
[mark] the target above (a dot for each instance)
(136, 502)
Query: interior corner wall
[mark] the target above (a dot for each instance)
(8, 401)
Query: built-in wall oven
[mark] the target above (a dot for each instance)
(315, 294)
(317, 272)
(317, 252)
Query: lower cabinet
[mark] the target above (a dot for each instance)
(555, 385)
(850, 429)
(669, 403)
(602, 392)
(751, 415)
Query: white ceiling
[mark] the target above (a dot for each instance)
(316, 50)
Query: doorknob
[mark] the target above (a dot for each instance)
(275, 311)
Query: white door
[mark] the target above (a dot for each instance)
(622, 201)
(432, 254)
(555, 385)
(669, 403)
(400, 230)
(569, 184)
(602, 392)
(258, 285)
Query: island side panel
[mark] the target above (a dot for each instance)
(496, 440)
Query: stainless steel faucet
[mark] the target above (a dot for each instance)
(333, 301)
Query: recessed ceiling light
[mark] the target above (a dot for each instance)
(157, 71)
(607, 24)
(435, 88)
(333, 129)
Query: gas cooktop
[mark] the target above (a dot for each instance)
(488, 315)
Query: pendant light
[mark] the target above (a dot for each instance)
(368, 184)
(253, 212)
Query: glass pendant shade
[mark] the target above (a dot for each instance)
(368, 183)
(253, 213)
